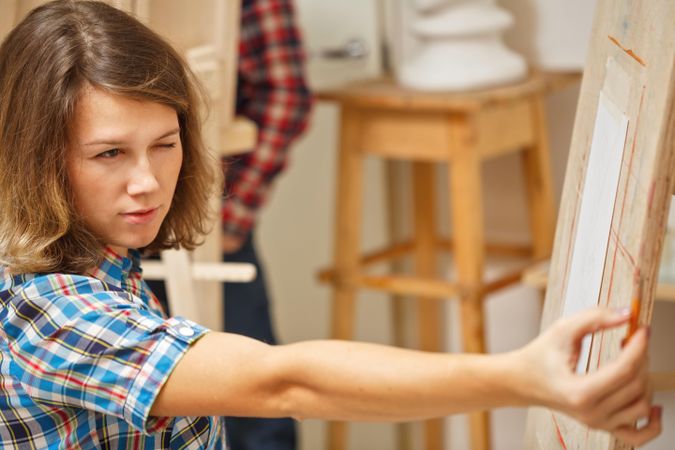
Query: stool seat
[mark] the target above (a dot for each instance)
(385, 93)
(462, 131)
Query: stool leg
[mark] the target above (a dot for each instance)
(393, 192)
(347, 239)
(468, 235)
(429, 309)
(537, 168)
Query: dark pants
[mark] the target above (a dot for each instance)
(247, 313)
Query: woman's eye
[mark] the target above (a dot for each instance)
(169, 145)
(109, 153)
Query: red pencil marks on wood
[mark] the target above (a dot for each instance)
(615, 233)
(628, 51)
(600, 347)
(625, 252)
(558, 432)
(637, 288)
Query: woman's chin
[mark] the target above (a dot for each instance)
(136, 242)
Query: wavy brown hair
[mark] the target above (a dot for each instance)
(44, 63)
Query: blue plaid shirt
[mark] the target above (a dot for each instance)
(82, 359)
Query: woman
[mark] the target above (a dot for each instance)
(101, 155)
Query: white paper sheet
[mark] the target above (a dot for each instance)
(595, 215)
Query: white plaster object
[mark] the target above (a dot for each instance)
(460, 48)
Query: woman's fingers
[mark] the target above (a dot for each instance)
(559, 348)
(629, 365)
(637, 436)
(639, 409)
(622, 407)
(616, 395)
(638, 388)
(592, 320)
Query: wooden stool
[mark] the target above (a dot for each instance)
(463, 130)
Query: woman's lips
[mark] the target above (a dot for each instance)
(141, 217)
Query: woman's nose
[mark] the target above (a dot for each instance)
(142, 180)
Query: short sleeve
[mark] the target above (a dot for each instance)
(94, 348)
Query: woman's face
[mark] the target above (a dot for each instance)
(123, 164)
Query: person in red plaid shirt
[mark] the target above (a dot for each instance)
(273, 93)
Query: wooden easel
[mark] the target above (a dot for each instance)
(210, 44)
(631, 66)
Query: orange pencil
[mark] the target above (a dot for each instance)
(634, 316)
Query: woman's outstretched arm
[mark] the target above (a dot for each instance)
(225, 374)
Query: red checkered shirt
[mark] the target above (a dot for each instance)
(273, 93)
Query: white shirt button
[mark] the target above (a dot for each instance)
(186, 331)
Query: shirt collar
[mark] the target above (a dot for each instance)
(115, 268)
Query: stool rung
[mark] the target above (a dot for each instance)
(663, 381)
(425, 286)
(494, 248)
(504, 280)
(401, 249)
(665, 292)
(410, 285)
(392, 252)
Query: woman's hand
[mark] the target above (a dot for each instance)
(612, 398)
